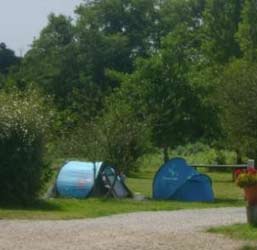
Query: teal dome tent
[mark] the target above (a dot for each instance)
(176, 180)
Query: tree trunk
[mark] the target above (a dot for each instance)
(165, 153)
(238, 157)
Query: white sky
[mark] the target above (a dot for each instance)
(22, 20)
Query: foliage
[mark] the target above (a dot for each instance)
(168, 63)
(176, 12)
(125, 26)
(247, 33)
(246, 177)
(237, 97)
(160, 89)
(69, 59)
(7, 59)
(122, 137)
(199, 153)
(51, 62)
(24, 122)
(220, 24)
(117, 136)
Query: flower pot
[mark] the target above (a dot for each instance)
(252, 215)
(251, 195)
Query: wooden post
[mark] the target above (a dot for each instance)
(251, 212)
(250, 163)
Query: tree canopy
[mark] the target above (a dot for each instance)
(7, 59)
(183, 69)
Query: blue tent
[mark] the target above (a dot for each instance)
(83, 179)
(176, 180)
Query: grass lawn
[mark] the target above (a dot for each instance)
(239, 232)
(90, 208)
(226, 193)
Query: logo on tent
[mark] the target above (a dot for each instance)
(83, 182)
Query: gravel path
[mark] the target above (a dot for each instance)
(184, 229)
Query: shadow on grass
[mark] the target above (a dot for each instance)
(225, 181)
(145, 175)
(228, 201)
(38, 205)
(248, 247)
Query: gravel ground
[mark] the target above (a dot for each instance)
(184, 229)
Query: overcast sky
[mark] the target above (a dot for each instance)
(22, 20)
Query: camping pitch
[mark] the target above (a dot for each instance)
(86, 179)
(176, 180)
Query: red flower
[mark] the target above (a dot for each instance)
(238, 172)
(252, 171)
(246, 177)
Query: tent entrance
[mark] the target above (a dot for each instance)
(114, 184)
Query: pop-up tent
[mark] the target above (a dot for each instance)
(86, 179)
(176, 180)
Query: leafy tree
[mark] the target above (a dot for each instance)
(247, 34)
(220, 24)
(237, 97)
(122, 137)
(160, 89)
(177, 12)
(117, 136)
(69, 60)
(218, 45)
(7, 59)
(156, 62)
(51, 61)
(52, 64)
(112, 33)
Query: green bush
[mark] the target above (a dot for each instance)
(117, 137)
(123, 138)
(24, 122)
(199, 153)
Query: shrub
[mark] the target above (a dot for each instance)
(199, 153)
(24, 121)
(117, 137)
(122, 137)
